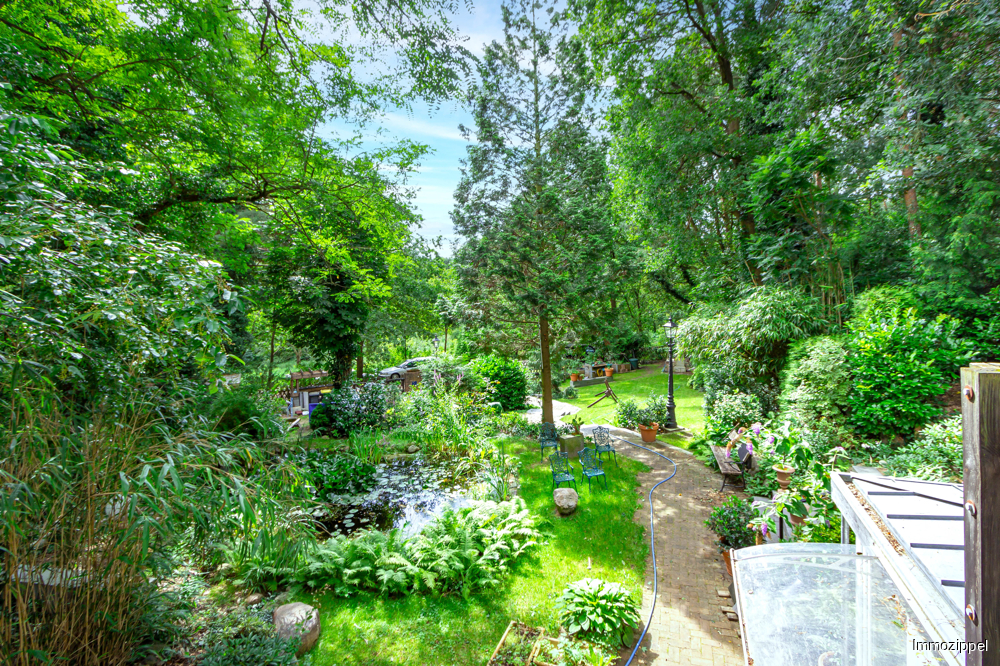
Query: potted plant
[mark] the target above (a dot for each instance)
(647, 426)
(576, 422)
(784, 473)
(609, 371)
(730, 523)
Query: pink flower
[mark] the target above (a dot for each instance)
(763, 529)
(756, 428)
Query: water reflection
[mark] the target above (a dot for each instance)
(408, 494)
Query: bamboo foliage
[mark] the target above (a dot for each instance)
(89, 513)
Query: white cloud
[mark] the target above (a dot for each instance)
(401, 125)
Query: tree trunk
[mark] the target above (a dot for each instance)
(543, 330)
(910, 194)
(270, 365)
(361, 360)
(910, 198)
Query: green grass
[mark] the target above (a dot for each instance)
(637, 385)
(598, 541)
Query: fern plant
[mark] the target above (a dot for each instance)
(460, 552)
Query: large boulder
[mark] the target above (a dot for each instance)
(298, 620)
(566, 500)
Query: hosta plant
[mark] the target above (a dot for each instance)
(598, 611)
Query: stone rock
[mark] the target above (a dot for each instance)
(566, 500)
(253, 599)
(412, 448)
(298, 620)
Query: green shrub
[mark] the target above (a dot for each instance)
(762, 481)
(515, 424)
(351, 408)
(817, 381)
(598, 611)
(331, 472)
(900, 365)
(252, 650)
(885, 302)
(732, 411)
(449, 372)
(629, 415)
(986, 327)
(656, 410)
(741, 347)
(626, 414)
(246, 409)
(508, 378)
(820, 533)
(937, 455)
(729, 522)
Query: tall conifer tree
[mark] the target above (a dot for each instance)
(531, 205)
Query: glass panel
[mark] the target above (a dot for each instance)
(797, 548)
(821, 607)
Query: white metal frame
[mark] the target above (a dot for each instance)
(932, 607)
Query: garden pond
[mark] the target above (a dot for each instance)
(405, 493)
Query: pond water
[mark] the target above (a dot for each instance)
(408, 493)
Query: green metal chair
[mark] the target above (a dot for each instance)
(592, 466)
(562, 471)
(603, 443)
(547, 438)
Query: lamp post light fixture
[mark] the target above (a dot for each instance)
(671, 331)
(436, 342)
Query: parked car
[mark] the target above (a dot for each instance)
(400, 370)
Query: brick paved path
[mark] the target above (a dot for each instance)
(688, 626)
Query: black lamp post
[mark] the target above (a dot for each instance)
(671, 330)
(436, 342)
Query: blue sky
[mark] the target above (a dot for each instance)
(438, 176)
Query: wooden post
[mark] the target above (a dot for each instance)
(981, 480)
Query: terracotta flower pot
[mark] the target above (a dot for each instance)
(609, 372)
(648, 434)
(784, 475)
(729, 561)
(574, 377)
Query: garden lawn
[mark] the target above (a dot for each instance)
(598, 541)
(637, 385)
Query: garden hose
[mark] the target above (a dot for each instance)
(652, 544)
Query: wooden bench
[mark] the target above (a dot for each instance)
(740, 461)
